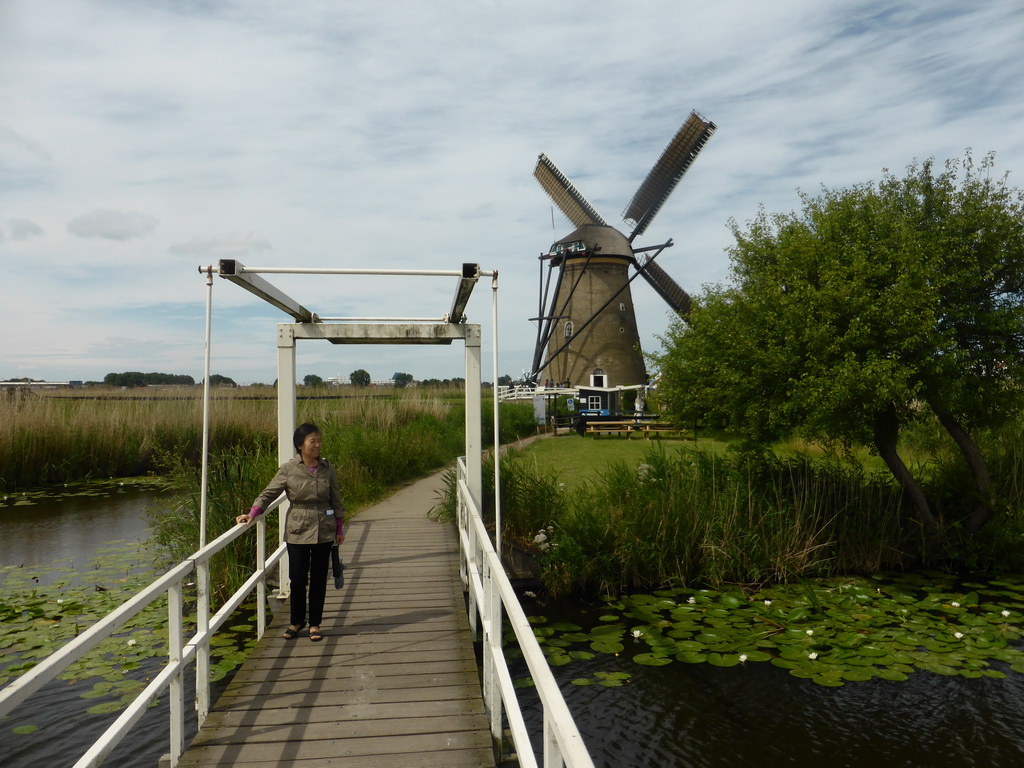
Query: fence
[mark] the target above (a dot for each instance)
(491, 598)
(179, 653)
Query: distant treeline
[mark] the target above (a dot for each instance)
(137, 379)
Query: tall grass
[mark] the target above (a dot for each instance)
(688, 516)
(48, 440)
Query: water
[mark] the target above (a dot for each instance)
(755, 714)
(76, 528)
(73, 526)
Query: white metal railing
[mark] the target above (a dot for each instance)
(490, 596)
(179, 652)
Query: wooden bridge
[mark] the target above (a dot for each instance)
(395, 682)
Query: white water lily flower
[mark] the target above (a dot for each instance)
(691, 600)
(743, 658)
(60, 601)
(810, 632)
(955, 604)
(637, 634)
(767, 603)
(812, 655)
(958, 635)
(1006, 614)
(529, 594)
(133, 641)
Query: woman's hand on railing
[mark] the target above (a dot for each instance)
(245, 518)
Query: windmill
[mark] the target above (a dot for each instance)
(586, 330)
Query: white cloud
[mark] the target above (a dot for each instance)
(112, 225)
(23, 229)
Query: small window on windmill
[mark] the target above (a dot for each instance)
(568, 329)
(597, 378)
(622, 307)
(576, 246)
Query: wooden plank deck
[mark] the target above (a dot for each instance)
(395, 682)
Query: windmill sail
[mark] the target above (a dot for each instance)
(666, 287)
(666, 173)
(569, 200)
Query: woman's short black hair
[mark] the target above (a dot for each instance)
(304, 431)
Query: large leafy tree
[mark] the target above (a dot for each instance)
(846, 320)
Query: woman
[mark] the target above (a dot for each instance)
(313, 526)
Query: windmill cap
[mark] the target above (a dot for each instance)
(608, 240)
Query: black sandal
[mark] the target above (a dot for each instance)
(314, 634)
(292, 632)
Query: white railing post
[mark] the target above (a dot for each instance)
(552, 753)
(492, 652)
(261, 566)
(175, 632)
(202, 625)
(469, 552)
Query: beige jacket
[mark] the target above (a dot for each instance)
(311, 495)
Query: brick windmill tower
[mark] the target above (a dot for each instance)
(586, 329)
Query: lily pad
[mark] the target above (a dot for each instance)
(651, 660)
(607, 646)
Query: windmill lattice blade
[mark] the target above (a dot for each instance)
(562, 192)
(668, 288)
(666, 173)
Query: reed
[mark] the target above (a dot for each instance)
(687, 516)
(58, 438)
(53, 440)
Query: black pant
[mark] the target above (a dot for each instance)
(307, 566)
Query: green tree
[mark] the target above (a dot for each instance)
(360, 378)
(402, 380)
(139, 379)
(312, 380)
(843, 321)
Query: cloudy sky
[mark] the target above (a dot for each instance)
(143, 139)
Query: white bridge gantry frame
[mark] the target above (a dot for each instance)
(490, 595)
(442, 329)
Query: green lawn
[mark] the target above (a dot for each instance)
(577, 460)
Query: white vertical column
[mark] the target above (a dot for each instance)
(286, 411)
(474, 415)
(203, 652)
(176, 694)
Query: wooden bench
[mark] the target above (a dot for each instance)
(611, 428)
(659, 428)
